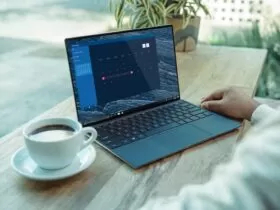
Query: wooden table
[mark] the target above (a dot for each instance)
(110, 184)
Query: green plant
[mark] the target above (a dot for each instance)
(246, 37)
(149, 13)
(269, 85)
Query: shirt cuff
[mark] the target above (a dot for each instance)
(262, 112)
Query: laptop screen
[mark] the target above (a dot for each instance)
(114, 74)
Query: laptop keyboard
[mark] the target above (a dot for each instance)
(147, 123)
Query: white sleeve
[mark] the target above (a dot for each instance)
(250, 181)
(261, 113)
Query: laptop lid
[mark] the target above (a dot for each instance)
(122, 72)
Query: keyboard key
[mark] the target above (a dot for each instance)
(143, 130)
(104, 137)
(188, 120)
(187, 115)
(120, 128)
(207, 113)
(125, 141)
(194, 118)
(181, 117)
(112, 130)
(127, 135)
(162, 123)
(114, 142)
(181, 122)
(141, 125)
(185, 111)
(108, 142)
(135, 133)
(201, 115)
(165, 117)
(114, 145)
(197, 112)
(126, 131)
(194, 109)
(156, 125)
(133, 138)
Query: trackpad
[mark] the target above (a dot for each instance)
(182, 137)
(145, 151)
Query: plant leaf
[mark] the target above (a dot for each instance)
(171, 8)
(119, 13)
(161, 16)
(205, 9)
(136, 19)
(160, 13)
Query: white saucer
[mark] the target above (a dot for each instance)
(25, 166)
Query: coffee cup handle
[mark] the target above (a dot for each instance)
(93, 136)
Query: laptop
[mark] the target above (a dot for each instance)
(125, 84)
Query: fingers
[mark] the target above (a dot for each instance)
(217, 95)
(215, 106)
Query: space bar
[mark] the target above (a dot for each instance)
(161, 129)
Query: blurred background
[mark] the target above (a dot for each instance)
(34, 73)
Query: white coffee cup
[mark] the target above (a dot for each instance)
(56, 153)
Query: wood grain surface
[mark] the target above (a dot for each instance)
(109, 183)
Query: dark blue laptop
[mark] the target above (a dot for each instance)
(125, 84)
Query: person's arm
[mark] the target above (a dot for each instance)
(251, 181)
(261, 113)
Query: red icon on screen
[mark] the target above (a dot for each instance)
(103, 78)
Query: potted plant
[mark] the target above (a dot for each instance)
(182, 14)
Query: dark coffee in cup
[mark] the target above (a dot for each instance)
(54, 143)
(52, 133)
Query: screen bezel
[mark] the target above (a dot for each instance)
(130, 111)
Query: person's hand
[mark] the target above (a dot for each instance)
(231, 102)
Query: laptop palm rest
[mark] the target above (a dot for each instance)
(216, 124)
(161, 145)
